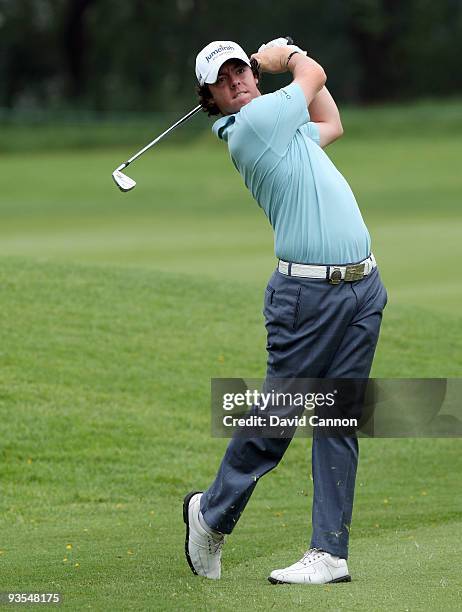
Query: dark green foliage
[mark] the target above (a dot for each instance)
(140, 55)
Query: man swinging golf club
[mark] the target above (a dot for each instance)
(323, 304)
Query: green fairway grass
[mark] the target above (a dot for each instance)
(105, 399)
(117, 309)
(190, 212)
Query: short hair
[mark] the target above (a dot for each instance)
(205, 96)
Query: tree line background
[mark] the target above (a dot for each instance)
(139, 55)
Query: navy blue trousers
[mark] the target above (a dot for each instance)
(314, 330)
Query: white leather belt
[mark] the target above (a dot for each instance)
(334, 274)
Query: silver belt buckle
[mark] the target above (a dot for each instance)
(355, 272)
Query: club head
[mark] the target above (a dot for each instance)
(123, 182)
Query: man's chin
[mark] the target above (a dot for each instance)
(239, 102)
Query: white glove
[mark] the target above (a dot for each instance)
(280, 42)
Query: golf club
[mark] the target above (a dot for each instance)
(124, 182)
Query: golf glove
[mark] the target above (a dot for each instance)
(280, 42)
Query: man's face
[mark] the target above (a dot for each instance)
(234, 88)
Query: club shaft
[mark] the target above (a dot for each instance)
(156, 140)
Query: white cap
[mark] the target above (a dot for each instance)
(213, 56)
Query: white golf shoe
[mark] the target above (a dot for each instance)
(315, 567)
(202, 546)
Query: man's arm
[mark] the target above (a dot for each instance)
(324, 112)
(311, 78)
(306, 72)
(322, 108)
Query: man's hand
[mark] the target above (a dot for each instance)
(307, 73)
(273, 59)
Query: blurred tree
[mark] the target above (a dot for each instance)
(376, 28)
(75, 45)
(27, 52)
(139, 55)
(433, 48)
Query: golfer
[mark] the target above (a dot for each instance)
(323, 304)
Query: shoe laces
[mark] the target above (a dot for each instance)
(312, 554)
(215, 543)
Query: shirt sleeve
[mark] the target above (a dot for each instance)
(275, 117)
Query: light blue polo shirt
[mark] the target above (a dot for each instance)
(275, 147)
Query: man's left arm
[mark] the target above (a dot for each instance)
(323, 109)
(324, 112)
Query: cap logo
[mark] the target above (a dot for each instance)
(219, 50)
